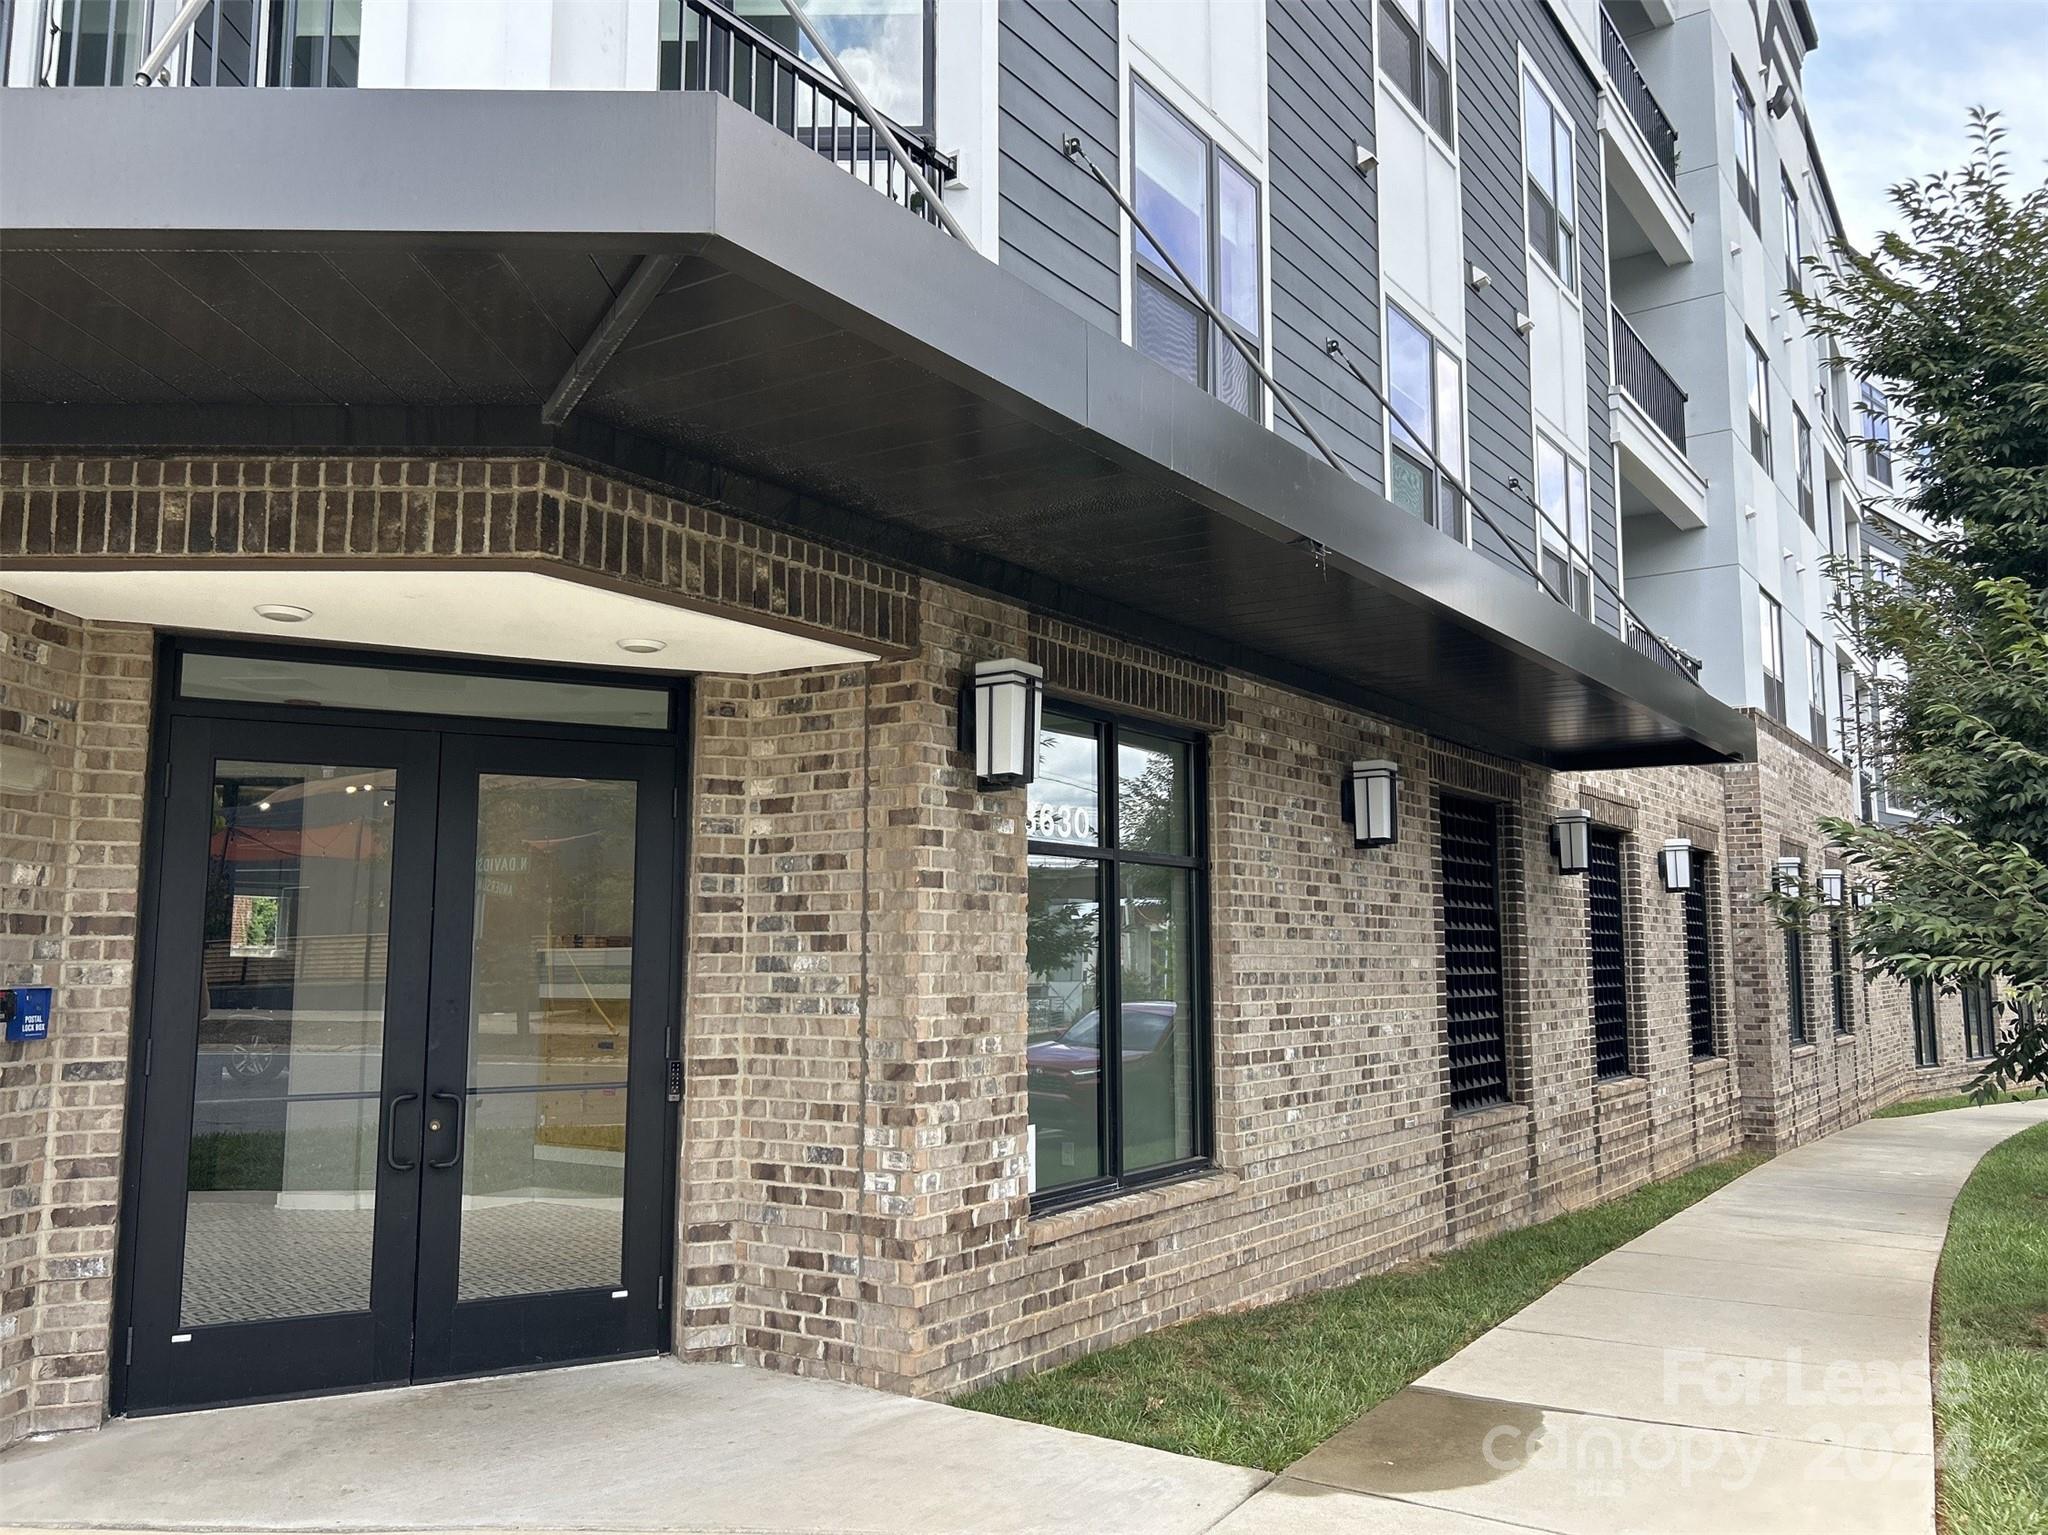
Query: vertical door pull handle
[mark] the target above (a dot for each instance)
(442, 1164)
(391, 1133)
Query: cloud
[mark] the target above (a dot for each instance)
(1892, 83)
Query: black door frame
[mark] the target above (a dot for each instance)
(167, 707)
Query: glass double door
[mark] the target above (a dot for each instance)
(409, 1000)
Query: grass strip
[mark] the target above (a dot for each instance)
(1264, 1387)
(1991, 1328)
(1951, 1101)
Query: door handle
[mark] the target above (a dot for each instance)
(391, 1133)
(442, 1164)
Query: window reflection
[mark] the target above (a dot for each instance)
(883, 44)
(1064, 1051)
(281, 1169)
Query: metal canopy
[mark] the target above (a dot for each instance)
(419, 269)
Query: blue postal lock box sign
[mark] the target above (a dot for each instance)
(26, 1010)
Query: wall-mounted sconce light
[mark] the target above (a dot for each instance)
(1370, 798)
(1364, 159)
(1787, 875)
(1477, 278)
(1865, 896)
(1568, 839)
(1524, 324)
(1749, 511)
(1831, 885)
(1734, 247)
(999, 715)
(1674, 862)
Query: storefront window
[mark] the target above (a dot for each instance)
(1117, 1036)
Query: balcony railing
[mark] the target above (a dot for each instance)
(1663, 652)
(301, 43)
(1637, 100)
(722, 52)
(1643, 379)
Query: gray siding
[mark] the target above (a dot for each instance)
(1503, 446)
(1325, 222)
(1057, 71)
(1490, 157)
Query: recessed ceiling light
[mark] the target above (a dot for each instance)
(283, 612)
(643, 647)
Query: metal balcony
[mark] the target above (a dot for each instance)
(231, 43)
(1643, 379)
(1637, 100)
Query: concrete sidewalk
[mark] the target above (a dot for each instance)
(1756, 1364)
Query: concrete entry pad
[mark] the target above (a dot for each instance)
(644, 1445)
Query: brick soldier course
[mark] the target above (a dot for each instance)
(852, 1185)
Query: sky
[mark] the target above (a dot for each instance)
(1892, 83)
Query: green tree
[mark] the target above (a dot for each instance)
(1950, 312)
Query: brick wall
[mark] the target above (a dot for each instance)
(74, 734)
(852, 1173)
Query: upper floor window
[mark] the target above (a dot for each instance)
(1427, 427)
(1415, 54)
(1203, 208)
(1875, 412)
(1565, 527)
(1846, 711)
(1794, 277)
(1547, 166)
(1802, 437)
(886, 46)
(1116, 1056)
(1772, 635)
(1817, 692)
(1747, 180)
(1759, 402)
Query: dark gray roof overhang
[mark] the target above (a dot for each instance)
(322, 269)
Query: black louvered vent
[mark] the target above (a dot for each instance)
(1609, 955)
(1475, 1021)
(1795, 982)
(1699, 962)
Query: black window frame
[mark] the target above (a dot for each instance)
(1492, 1091)
(1795, 246)
(1748, 167)
(1802, 438)
(1760, 388)
(1772, 639)
(1110, 858)
(1610, 1000)
(1144, 270)
(1816, 691)
(1799, 1025)
(1926, 1023)
(1980, 1023)
(1428, 83)
(1839, 975)
(1696, 916)
(1875, 418)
